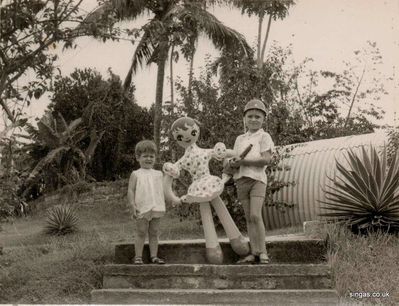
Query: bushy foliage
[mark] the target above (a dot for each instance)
(364, 195)
(61, 220)
(104, 107)
(296, 113)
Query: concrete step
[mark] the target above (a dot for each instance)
(212, 296)
(281, 249)
(186, 276)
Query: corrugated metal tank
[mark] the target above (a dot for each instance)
(310, 164)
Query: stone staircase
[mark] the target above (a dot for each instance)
(297, 275)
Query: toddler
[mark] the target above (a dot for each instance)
(146, 201)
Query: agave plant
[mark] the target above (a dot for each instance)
(365, 194)
(61, 220)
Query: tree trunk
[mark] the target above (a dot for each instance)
(172, 96)
(95, 139)
(9, 114)
(260, 23)
(162, 57)
(172, 100)
(189, 106)
(354, 97)
(262, 54)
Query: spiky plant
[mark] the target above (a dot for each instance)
(365, 194)
(61, 220)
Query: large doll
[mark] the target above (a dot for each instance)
(205, 188)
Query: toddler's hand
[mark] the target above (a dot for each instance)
(133, 213)
(183, 199)
(174, 204)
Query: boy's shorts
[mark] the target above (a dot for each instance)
(248, 187)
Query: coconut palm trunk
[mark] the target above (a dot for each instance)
(161, 61)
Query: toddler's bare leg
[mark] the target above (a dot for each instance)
(213, 251)
(153, 234)
(141, 233)
(237, 241)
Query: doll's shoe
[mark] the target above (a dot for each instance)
(214, 255)
(247, 260)
(138, 261)
(158, 261)
(240, 246)
(263, 259)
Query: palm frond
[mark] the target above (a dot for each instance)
(220, 35)
(129, 9)
(48, 135)
(143, 52)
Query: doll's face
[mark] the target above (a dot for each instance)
(187, 137)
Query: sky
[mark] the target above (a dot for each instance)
(327, 31)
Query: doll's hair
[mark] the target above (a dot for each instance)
(145, 146)
(182, 124)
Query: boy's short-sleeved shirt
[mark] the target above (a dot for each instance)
(261, 142)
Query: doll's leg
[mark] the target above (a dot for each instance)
(213, 251)
(237, 241)
(225, 178)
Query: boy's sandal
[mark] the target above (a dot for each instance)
(263, 258)
(249, 259)
(157, 260)
(138, 261)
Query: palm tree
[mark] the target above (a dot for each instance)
(274, 8)
(171, 18)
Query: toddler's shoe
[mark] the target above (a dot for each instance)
(158, 261)
(138, 260)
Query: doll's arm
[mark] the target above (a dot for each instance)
(230, 153)
(171, 171)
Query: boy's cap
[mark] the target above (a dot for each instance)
(255, 104)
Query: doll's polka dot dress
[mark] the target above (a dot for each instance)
(195, 160)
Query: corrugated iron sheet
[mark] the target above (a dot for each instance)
(310, 165)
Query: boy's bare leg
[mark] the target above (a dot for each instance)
(250, 227)
(257, 221)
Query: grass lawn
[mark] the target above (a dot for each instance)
(37, 268)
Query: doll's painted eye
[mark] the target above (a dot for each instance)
(194, 133)
(179, 137)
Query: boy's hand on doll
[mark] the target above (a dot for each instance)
(235, 162)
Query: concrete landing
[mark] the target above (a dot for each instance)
(212, 296)
(281, 249)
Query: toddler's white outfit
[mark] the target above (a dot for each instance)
(149, 196)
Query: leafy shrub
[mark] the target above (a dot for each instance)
(61, 220)
(366, 194)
